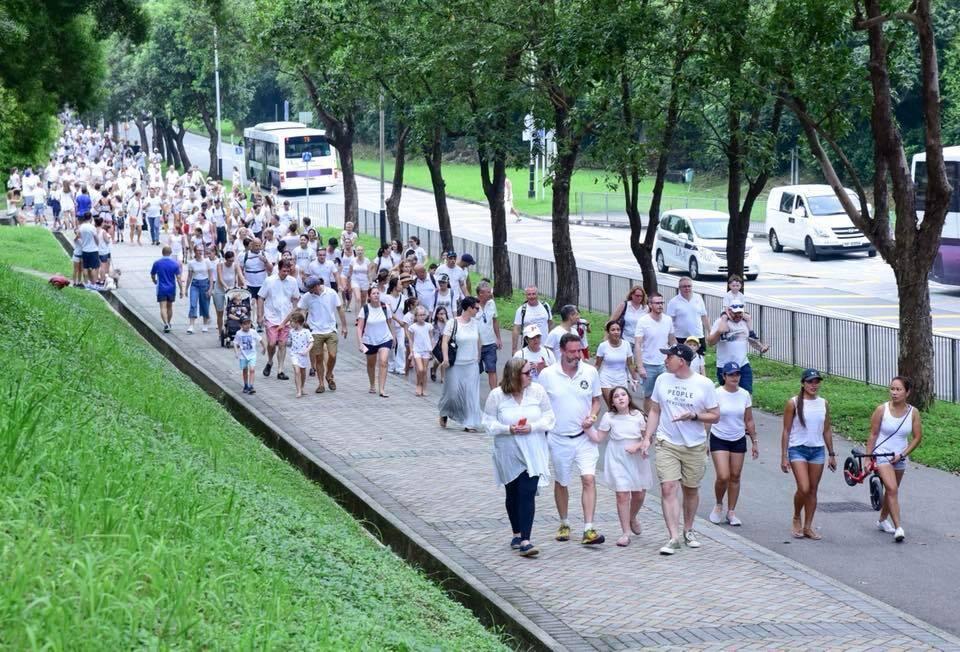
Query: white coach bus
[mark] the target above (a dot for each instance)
(273, 155)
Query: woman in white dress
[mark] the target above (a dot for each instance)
(360, 277)
(615, 362)
(68, 208)
(461, 391)
(625, 469)
(518, 415)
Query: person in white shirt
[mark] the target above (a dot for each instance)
(731, 335)
(279, 293)
(531, 312)
(681, 403)
(518, 414)
(569, 316)
(490, 341)
(376, 339)
(425, 287)
(325, 270)
(457, 276)
(461, 389)
(303, 255)
(689, 314)
(420, 340)
(533, 351)
(615, 362)
(323, 306)
(574, 390)
(728, 442)
(89, 249)
(654, 333)
(414, 243)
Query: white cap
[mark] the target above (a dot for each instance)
(532, 331)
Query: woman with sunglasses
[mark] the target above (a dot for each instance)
(806, 443)
(460, 347)
(518, 415)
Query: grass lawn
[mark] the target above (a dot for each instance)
(32, 247)
(851, 402)
(463, 181)
(228, 130)
(137, 513)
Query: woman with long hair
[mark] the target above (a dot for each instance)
(632, 309)
(806, 443)
(461, 357)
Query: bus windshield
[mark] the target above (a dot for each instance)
(297, 145)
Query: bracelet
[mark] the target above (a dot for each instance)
(695, 417)
(833, 454)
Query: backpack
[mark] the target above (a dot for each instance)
(622, 320)
(366, 315)
(523, 313)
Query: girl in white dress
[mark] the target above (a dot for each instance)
(360, 277)
(615, 362)
(625, 469)
(420, 338)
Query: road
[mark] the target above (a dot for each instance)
(853, 286)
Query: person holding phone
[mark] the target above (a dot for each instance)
(518, 414)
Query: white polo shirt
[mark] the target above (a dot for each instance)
(687, 316)
(571, 398)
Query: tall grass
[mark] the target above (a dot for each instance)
(135, 512)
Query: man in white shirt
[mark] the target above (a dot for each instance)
(89, 250)
(654, 332)
(531, 312)
(323, 269)
(731, 335)
(682, 402)
(489, 327)
(278, 293)
(689, 314)
(323, 306)
(569, 316)
(414, 243)
(574, 390)
(303, 255)
(457, 276)
(425, 287)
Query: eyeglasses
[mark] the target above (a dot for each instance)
(656, 303)
(525, 373)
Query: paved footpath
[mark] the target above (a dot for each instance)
(730, 594)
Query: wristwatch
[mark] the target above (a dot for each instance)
(695, 417)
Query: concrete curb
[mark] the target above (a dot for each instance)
(491, 609)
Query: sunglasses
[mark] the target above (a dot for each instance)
(525, 373)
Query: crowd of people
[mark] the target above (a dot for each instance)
(278, 290)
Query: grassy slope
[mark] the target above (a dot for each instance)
(32, 248)
(137, 513)
(851, 403)
(463, 180)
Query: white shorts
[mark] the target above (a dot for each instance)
(565, 452)
(360, 284)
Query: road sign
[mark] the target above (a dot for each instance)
(238, 150)
(306, 117)
(306, 157)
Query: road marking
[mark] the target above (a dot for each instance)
(788, 297)
(897, 317)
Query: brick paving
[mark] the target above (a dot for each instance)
(729, 595)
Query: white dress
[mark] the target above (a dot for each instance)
(514, 454)
(613, 371)
(623, 471)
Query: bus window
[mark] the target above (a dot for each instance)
(920, 182)
(297, 145)
(953, 177)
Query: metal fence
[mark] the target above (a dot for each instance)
(609, 207)
(853, 349)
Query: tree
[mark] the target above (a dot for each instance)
(827, 74)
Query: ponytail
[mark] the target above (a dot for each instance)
(799, 411)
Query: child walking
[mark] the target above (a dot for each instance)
(439, 322)
(420, 335)
(245, 345)
(300, 342)
(735, 295)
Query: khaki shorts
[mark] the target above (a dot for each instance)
(319, 339)
(681, 463)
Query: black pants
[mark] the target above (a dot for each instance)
(521, 503)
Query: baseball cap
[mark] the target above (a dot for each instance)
(810, 374)
(312, 282)
(694, 340)
(450, 254)
(731, 368)
(532, 331)
(681, 351)
(468, 259)
(736, 307)
(443, 278)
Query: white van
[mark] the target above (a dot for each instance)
(812, 219)
(696, 241)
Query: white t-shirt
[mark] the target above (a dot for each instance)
(376, 329)
(426, 292)
(552, 340)
(676, 396)
(278, 296)
(467, 337)
(245, 341)
(456, 274)
(732, 346)
(535, 357)
(623, 426)
(687, 316)
(571, 398)
(538, 315)
(88, 233)
(613, 371)
(656, 336)
(321, 310)
(484, 319)
(324, 270)
(304, 256)
(422, 336)
(731, 426)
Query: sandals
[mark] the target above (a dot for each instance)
(797, 529)
(811, 534)
(443, 422)
(384, 395)
(635, 527)
(320, 389)
(624, 541)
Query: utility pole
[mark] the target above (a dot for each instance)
(383, 205)
(216, 82)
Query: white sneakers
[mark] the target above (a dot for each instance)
(886, 526)
(716, 515)
(898, 535)
(733, 520)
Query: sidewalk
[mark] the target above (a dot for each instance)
(731, 594)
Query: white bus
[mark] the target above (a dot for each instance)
(273, 155)
(946, 268)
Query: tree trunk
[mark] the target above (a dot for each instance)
(915, 358)
(142, 128)
(351, 204)
(157, 139)
(493, 189)
(434, 159)
(179, 133)
(172, 153)
(396, 188)
(568, 147)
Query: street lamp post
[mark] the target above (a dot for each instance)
(383, 205)
(216, 83)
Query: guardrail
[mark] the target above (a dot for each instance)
(609, 207)
(858, 350)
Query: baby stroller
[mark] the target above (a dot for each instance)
(237, 307)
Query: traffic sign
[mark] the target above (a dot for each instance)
(238, 150)
(306, 157)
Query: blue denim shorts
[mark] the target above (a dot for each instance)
(488, 358)
(653, 372)
(811, 454)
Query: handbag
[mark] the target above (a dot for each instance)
(451, 346)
